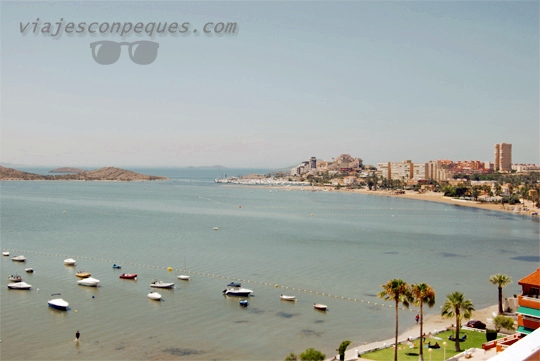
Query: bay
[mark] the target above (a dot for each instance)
(273, 240)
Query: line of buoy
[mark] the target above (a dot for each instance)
(217, 276)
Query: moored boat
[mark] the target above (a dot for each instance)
(69, 262)
(116, 266)
(161, 284)
(5, 253)
(19, 259)
(29, 270)
(90, 282)
(243, 303)
(184, 277)
(58, 304)
(19, 286)
(83, 274)
(236, 289)
(128, 276)
(15, 278)
(154, 296)
(287, 298)
(320, 306)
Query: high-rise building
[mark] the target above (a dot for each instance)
(503, 157)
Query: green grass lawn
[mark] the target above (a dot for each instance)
(474, 339)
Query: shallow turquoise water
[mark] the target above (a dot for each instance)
(350, 246)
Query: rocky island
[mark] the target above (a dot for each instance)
(101, 174)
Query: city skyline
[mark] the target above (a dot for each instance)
(383, 81)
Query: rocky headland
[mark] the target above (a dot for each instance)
(101, 174)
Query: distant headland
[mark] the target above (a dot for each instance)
(101, 174)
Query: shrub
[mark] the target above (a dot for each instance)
(491, 335)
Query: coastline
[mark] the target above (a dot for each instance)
(426, 196)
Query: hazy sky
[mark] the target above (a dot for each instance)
(383, 81)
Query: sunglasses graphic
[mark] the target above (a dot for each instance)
(108, 52)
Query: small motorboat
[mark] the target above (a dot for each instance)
(128, 276)
(6, 253)
(243, 303)
(29, 270)
(116, 266)
(320, 306)
(90, 282)
(184, 277)
(154, 296)
(236, 289)
(287, 298)
(216, 229)
(19, 286)
(69, 262)
(58, 303)
(83, 274)
(15, 278)
(19, 259)
(161, 284)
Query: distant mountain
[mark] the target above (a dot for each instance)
(102, 174)
(208, 167)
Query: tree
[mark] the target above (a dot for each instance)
(422, 293)
(398, 291)
(311, 354)
(342, 349)
(503, 322)
(457, 306)
(501, 280)
(291, 357)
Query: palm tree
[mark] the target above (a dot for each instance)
(457, 306)
(400, 292)
(501, 281)
(422, 293)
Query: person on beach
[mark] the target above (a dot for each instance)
(417, 318)
(77, 335)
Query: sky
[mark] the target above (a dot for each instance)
(383, 81)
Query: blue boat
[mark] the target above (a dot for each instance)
(243, 303)
(117, 266)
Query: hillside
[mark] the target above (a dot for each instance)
(102, 174)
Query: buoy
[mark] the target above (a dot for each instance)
(276, 285)
(76, 311)
(92, 296)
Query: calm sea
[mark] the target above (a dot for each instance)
(326, 247)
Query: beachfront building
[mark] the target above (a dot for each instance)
(529, 303)
(524, 168)
(407, 170)
(503, 157)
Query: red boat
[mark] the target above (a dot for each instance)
(128, 276)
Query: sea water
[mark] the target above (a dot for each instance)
(335, 248)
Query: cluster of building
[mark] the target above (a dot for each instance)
(409, 172)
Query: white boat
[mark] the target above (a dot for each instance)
(5, 253)
(287, 298)
(320, 307)
(19, 259)
(184, 277)
(236, 289)
(15, 278)
(216, 229)
(89, 281)
(19, 286)
(154, 296)
(161, 284)
(69, 262)
(58, 304)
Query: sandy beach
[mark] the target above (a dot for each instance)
(432, 324)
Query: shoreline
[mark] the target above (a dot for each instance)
(430, 196)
